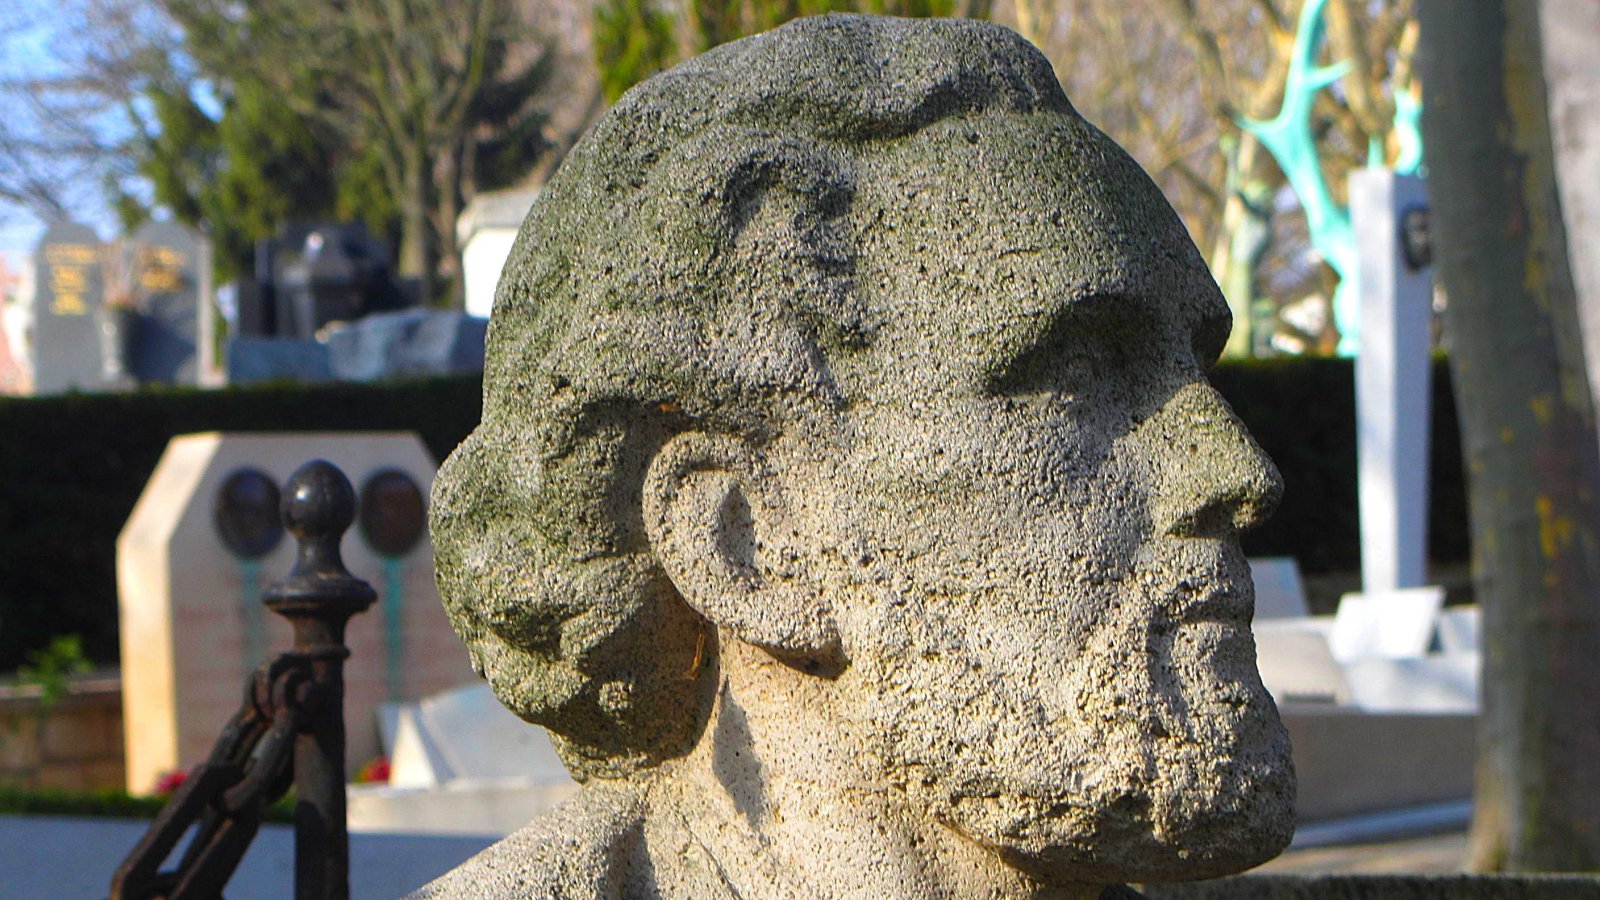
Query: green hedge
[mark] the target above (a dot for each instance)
(74, 465)
(107, 803)
(1302, 412)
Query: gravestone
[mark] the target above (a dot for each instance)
(1459, 630)
(410, 343)
(466, 733)
(189, 587)
(485, 232)
(377, 347)
(1393, 624)
(67, 303)
(1297, 665)
(460, 762)
(1280, 591)
(167, 264)
(1393, 371)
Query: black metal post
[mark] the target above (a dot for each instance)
(318, 597)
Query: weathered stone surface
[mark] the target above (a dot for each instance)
(850, 501)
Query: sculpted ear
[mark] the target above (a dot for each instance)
(717, 523)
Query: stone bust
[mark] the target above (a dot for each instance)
(850, 502)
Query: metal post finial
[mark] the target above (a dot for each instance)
(318, 597)
(319, 505)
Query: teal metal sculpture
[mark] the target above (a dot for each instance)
(1288, 137)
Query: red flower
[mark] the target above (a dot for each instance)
(375, 771)
(168, 783)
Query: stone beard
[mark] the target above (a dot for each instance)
(1143, 762)
(850, 501)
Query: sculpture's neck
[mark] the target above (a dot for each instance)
(800, 810)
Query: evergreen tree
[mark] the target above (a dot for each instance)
(634, 39)
(393, 112)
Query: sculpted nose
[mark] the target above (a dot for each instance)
(1212, 479)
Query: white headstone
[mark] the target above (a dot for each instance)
(486, 230)
(1392, 383)
(1385, 625)
(482, 739)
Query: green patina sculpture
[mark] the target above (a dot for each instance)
(1288, 136)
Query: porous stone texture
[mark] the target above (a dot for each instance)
(850, 502)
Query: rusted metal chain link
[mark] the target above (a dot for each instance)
(250, 766)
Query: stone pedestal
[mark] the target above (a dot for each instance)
(186, 628)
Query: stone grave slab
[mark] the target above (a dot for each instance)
(1395, 624)
(411, 343)
(1297, 665)
(1350, 762)
(188, 635)
(1280, 592)
(1458, 630)
(466, 733)
(1421, 685)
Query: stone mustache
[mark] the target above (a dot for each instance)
(850, 501)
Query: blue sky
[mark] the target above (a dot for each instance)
(20, 51)
(32, 33)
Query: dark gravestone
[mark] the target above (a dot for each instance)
(166, 264)
(66, 322)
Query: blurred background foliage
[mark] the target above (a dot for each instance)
(242, 119)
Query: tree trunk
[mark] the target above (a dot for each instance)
(1528, 434)
(1242, 239)
(415, 228)
(450, 189)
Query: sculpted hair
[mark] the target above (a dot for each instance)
(691, 266)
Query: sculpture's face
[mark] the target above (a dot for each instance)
(1045, 607)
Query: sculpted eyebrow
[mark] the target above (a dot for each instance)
(1075, 338)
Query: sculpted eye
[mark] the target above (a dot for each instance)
(1084, 341)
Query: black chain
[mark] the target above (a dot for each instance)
(250, 766)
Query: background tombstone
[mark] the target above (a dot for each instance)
(66, 320)
(184, 633)
(1392, 379)
(485, 232)
(168, 262)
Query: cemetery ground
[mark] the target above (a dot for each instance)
(50, 857)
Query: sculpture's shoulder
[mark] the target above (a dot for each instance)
(606, 842)
(584, 848)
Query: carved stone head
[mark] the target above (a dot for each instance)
(854, 343)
